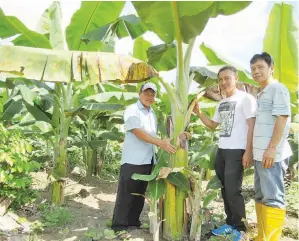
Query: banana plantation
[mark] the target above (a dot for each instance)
(63, 93)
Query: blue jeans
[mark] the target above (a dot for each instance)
(269, 183)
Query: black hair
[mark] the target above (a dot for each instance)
(263, 56)
(228, 67)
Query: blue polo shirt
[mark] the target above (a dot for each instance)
(273, 101)
(136, 151)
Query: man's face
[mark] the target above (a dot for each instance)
(261, 71)
(227, 81)
(147, 97)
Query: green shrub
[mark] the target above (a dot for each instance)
(75, 158)
(111, 164)
(55, 216)
(15, 167)
(42, 151)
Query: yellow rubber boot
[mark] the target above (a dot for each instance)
(259, 218)
(273, 220)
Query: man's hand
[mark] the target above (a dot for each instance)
(166, 146)
(269, 157)
(196, 109)
(247, 159)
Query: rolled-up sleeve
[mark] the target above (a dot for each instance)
(281, 101)
(132, 120)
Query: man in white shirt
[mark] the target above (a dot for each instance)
(271, 150)
(138, 156)
(236, 115)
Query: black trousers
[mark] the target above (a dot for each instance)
(128, 207)
(229, 169)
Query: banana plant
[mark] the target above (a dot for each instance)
(48, 58)
(197, 198)
(203, 147)
(95, 129)
(98, 126)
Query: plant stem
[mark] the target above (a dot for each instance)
(170, 92)
(181, 82)
(187, 59)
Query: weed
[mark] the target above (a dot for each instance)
(292, 196)
(37, 226)
(291, 233)
(55, 216)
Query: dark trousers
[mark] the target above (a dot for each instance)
(128, 207)
(229, 169)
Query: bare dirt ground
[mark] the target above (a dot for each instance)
(94, 208)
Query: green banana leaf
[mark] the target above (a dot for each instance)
(140, 48)
(11, 26)
(156, 188)
(51, 24)
(193, 16)
(281, 41)
(124, 26)
(162, 57)
(90, 16)
(219, 61)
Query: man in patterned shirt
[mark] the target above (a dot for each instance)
(235, 114)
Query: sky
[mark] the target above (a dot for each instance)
(237, 37)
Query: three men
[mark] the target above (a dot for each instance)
(247, 132)
(138, 156)
(235, 114)
(271, 150)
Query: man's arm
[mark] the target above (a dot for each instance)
(269, 154)
(282, 110)
(164, 144)
(206, 120)
(247, 157)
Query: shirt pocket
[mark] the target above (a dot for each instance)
(265, 105)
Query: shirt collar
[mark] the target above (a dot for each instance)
(268, 87)
(141, 106)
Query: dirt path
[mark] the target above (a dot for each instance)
(90, 208)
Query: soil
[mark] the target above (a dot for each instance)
(91, 206)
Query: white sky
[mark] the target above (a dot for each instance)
(237, 37)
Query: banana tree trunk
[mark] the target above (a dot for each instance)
(100, 158)
(57, 190)
(60, 168)
(91, 161)
(61, 124)
(91, 153)
(195, 229)
(174, 201)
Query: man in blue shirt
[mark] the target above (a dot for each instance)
(271, 150)
(138, 156)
